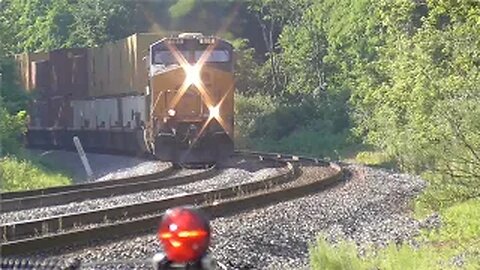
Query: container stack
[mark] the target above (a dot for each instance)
(86, 88)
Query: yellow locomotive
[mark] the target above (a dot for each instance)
(172, 97)
(192, 89)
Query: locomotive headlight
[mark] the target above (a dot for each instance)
(192, 74)
(214, 111)
(171, 112)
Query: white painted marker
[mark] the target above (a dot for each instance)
(83, 157)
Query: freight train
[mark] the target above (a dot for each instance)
(168, 96)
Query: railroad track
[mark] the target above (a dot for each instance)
(16, 201)
(64, 230)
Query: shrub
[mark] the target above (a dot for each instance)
(11, 129)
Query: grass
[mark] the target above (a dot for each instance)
(344, 256)
(24, 174)
(305, 142)
(374, 159)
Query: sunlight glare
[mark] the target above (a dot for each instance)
(192, 74)
(214, 111)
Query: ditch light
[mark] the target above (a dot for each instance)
(184, 233)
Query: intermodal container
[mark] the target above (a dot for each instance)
(60, 112)
(63, 76)
(24, 67)
(41, 75)
(106, 113)
(133, 109)
(120, 68)
(79, 76)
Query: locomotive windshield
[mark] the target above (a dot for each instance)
(166, 57)
(215, 56)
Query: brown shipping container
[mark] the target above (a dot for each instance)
(24, 65)
(61, 62)
(92, 70)
(97, 71)
(79, 76)
(114, 69)
(119, 68)
(41, 77)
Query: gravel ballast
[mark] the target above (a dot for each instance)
(370, 207)
(104, 167)
(226, 177)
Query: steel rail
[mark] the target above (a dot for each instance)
(51, 190)
(230, 201)
(111, 189)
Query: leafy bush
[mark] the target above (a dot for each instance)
(11, 129)
(264, 124)
(307, 142)
(247, 110)
(20, 174)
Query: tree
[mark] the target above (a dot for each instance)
(273, 16)
(47, 24)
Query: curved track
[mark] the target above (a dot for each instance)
(67, 194)
(61, 230)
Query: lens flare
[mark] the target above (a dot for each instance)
(214, 111)
(192, 74)
(171, 112)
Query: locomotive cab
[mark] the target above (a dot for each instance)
(191, 86)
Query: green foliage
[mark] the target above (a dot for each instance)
(460, 224)
(309, 143)
(46, 25)
(14, 99)
(18, 174)
(374, 158)
(344, 256)
(406, 72)
(248, 72)
(262, 123)
(181, 8)
(13, 103)
(11, 129)
(423, 106)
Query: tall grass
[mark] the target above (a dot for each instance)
(22, 174)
